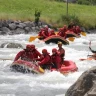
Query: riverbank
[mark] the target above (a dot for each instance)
(52, 12)
(10, 27)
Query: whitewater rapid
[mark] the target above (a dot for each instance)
(50, 83)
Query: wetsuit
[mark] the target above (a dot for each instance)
(93, 51)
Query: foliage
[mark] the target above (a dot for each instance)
(53, 12)
(64, 19)
(37, 16)
(87, 2)
(57, 0)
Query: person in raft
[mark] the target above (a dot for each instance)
(62, 32)
(56, 59)
(45, 60)
(40, 34)
(93, 51)
(51, 32)
(28, 54)
(45, 32)
(61, 51)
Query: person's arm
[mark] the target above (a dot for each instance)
(43, 33)
(45, 60)
(18, 55)
(39, 54)
(93, 51)
(62, 52)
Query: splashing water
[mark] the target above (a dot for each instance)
(48, 84)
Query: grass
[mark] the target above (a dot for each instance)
(51, 11)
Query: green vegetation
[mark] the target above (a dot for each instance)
(51, 12)
(87, 2)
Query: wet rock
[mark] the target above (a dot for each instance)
(10, 27)
(11, 45)
(84, 86)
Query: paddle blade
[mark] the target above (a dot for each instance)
(41, 70)
(71, 39)
(56, 33)
(82, 59)
(83, 33)
(32, 38)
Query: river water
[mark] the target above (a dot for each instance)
(50, 83)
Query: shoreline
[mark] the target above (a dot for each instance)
(10, 27)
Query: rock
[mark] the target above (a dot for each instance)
(11, 45)
(12, 26)
(84, 85)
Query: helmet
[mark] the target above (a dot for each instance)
(32, 46)
(44, 51)
(52, 31)
(46, 27)
(54, 50)
(42, 29)
(65, 27)
(28, 46)
(61, 29)
(59, 43)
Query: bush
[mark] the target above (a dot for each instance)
(59, 0)
(67, 19)
(87, 2)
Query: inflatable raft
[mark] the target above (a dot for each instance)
(72, 34)
(68, 66)
(55, 39)
(26, 67)
(92, 57)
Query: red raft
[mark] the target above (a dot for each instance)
(55, 39)
(26, 67)
(72, 34)
(68, 66)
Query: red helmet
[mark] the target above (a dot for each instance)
(42, 29)
(52, 31)
(28, 46)
(32, 46)
(54, 50)
(61, 29)
(65, 27)
(44, 51)
(46, 27)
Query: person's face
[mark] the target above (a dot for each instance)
(59, 45)
(53, 52)
(30, 48)
(94, 54)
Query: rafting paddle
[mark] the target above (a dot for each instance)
(83, 33)
(71, 39)
(5, 59)
(32, 38)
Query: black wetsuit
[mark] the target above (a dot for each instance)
(93, 51)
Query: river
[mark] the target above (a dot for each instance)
(50, 83)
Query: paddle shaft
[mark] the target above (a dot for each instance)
(89, 46)
(5, 59)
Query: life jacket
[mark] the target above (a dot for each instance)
(56, 61)
(26, 56)
(62, 55)
(30, 55)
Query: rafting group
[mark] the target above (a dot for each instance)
(31, 57)
(46, 32)
(66, 32)
(31, 60)
(90, 57)
(46, 60)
